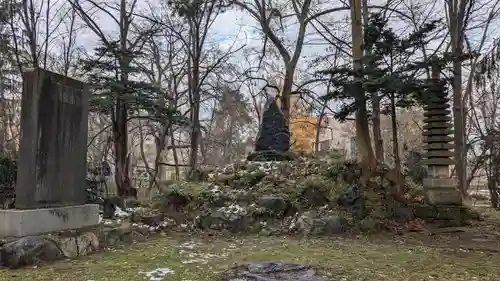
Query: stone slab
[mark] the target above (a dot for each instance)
(443, 196)
(439, 183)
(437, 161)
(18, 223)
(53, 141)
(442, 172)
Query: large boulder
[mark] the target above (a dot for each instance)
(74, 245)
(319, 224)
(30, 250)
(277, 204)
(275, 271)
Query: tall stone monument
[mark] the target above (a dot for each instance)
(273, 139)
(50, 190)
(441, 189)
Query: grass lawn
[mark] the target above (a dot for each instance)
(202, 259)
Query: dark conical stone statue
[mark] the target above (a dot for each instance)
(273, 139)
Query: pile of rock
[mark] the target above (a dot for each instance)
(304, 196)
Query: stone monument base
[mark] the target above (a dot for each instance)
(442, 191)
(18, 223)
(271, 155)
(445, 215)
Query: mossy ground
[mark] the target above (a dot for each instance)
(355, 258)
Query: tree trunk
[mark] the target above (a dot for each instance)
(3, 123)
(365, 152)
(493, 193)
(227, 151)
(395, 144)
(195, 117)
(456, 15)
(458, 123)
(175, 156)
(318, 129)
(377, 131)
(286, 93)
(120, 135)
(161, 144)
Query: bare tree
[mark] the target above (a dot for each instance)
(270, 16)
(131, 39)
(461, 19)
(165, 72)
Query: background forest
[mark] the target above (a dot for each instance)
(179, 85)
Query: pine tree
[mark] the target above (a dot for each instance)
(391, 69)
(111, 93)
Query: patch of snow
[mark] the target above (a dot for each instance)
(233, 209)
(120, 213)
(158, 274)
(202, 261)
(188, 245)
(106, 221)
(215, 189)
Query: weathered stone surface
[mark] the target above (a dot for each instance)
(112, 236)
(329, 225)
(438, 161)
(26, 222)
(443, 196)
(30, 250)
(271, 155)
(315, 196)
(437, 139)
(435, 106)
(439, 188)
(437, 132)
(80, 244)
(310, 223)
(273, 134)
(353, 199)
(446, 215)
(275, 271)
(437, 119)
(370, 224)
(304, 223)
(435, 112)
(401, 214)
(276, 204)
(437, 125)
(273, 139)
(432, 146)
(53, 144)
(442, 153)
(219, 220)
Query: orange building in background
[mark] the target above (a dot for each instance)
(332, 135)
(303, 130)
